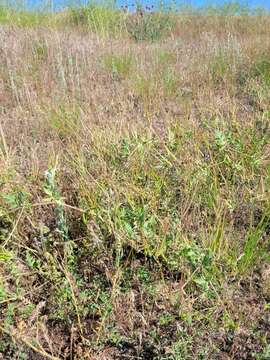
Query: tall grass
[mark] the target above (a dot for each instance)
(11, 16)
(134, 184)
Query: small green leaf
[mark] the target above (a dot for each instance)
(5, 255)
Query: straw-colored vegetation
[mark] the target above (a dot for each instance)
(134, 185)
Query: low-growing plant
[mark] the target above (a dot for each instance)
(265, 354)
(220, 68)
(5, 255)
(118, 66)
(261, 69)
(166, 58)
(147, 88)
(164, 83)
(64, 121)
(170, 83)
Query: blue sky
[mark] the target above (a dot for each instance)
(58, 4)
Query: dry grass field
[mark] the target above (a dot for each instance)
(134, 185)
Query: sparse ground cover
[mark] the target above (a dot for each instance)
(134, 185)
